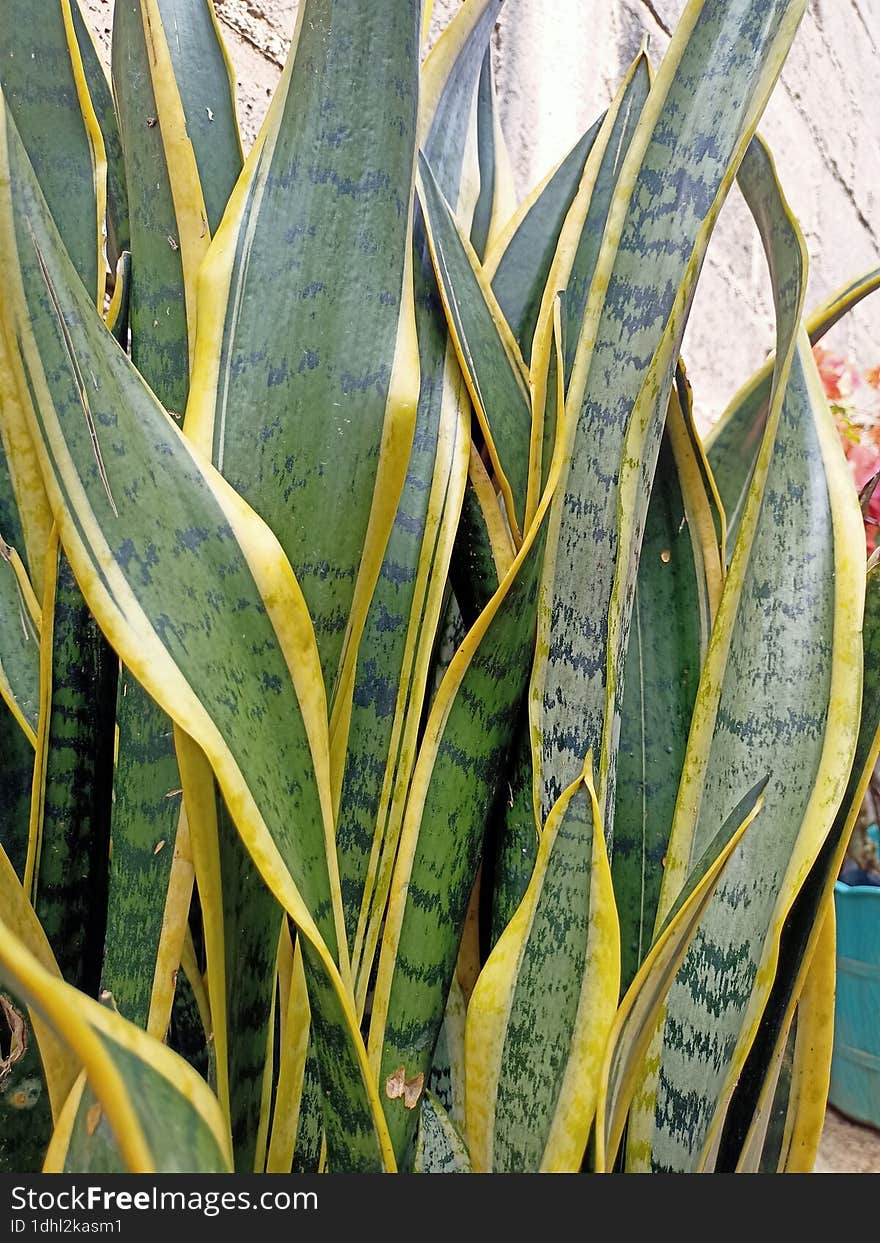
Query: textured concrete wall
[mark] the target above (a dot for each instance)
(558, 63)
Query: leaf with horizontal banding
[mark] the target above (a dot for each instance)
(16, 747)
(827, 495)
(579, 247)
(440, 1148)
(183, 153)
(152, 1111)
(252, 921)
(700, 114)
(45, 88)
(59, 129)
(144, 819)
(794, 717)
(104, 490)
(70, 817)
(487, 352)
(16, 778)
(732, 443)
(391, 676)
(39, 1076)
(118, 239)
(636, 1016)
(789, 1112)
(170, 72)
(19, 645)
(305, 380)
(544, 1003)
(677, 591)
(804, 922)
(515, 826)
(458, 773)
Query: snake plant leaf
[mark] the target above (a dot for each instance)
(579, 246)
(293, 1058)
(677, 591)
(802, 927)
(309, 1146)
(767, 1135)
(169, 235)
(205, 81)
(117, 317)
(636, 1016)
(789, 1116)
(811, 1057)
(54, 115)
(241, 922)
(544, 1003)
(448, 90)
(518, 263)
(487, 352)
(17, 769)
(118, 234)
(70, 827)
(150, 1107)
(455, 783)
(173, 937)
(19, 644)
(59, 129)
(38, 1069)
(496, 201)
(272, 765)
(183, 158)
(732, 443)
(387, 701)
(169, 142)
(144, 819)
(700, 114)
(252, 923)
(16, 779)
(440, 1148)
(515, 826)
(793, 808)
(306, 375)
(803, 609)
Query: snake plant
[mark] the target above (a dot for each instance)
(420, 749)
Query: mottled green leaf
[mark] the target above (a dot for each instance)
(118, 234)
(793, 594)
(19, 648)
(543, 1005)
(401, 625)
(304, 387)
(44, 85)
(440, 1149)
(733, 443)
(71, 818)
(457, 777)
(702, 109)
(519, 264)
(192, 646)
(485, 348)
(673, 611)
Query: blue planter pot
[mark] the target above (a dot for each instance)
(855, 1066)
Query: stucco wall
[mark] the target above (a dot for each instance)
(558, 63)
